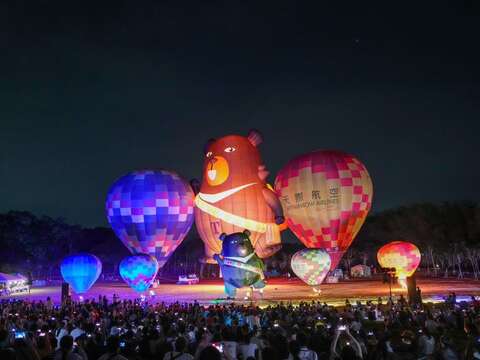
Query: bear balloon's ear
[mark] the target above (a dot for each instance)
(246, 232)
(255, 137)
(207, 145)
(222, 236)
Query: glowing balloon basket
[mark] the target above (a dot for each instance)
(81, 271)
(311, 265)
(151, 212)
(401, 255)
(139, 271)
(326, 196)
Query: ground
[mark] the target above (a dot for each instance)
(208, 292)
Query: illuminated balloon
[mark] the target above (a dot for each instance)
(326, 196)
(311, 265)
(151, 212)
(81, 271)
(234, 196)
(401, 255)
(139, 271)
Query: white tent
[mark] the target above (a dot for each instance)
(12, 283)
(360, 271)
(7, 278)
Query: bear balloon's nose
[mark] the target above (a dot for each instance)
(212, 161)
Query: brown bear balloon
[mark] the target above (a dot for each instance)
(234, 196)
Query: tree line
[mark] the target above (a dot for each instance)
(447, 234)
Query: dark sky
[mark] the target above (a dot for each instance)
(90, 92)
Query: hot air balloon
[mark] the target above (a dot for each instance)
(81, 271)
(151, 212)
(139, 271)
(311, 265)
(234, 196)
(240, 265)
(326, 196)
(401, 255)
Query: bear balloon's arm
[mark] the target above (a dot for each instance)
(274, 203)
(263, 173)
(270, 197)
(257, 262)
(218, 259)
(262, 265)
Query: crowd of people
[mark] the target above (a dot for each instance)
(119, 330)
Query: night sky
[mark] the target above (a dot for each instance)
(90, 92)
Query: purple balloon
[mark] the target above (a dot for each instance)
(151, 212)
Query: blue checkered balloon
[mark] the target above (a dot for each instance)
(151, 212)
(139, 271)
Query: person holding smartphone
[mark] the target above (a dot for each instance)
(351, 345)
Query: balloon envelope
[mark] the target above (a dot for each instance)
(326, 196)
(401, 255)
(81, 271)
(311, 265)
(234, 196)
(151, 212)
(139, 271)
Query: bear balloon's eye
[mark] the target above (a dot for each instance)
(230, 149)
(209, 154)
